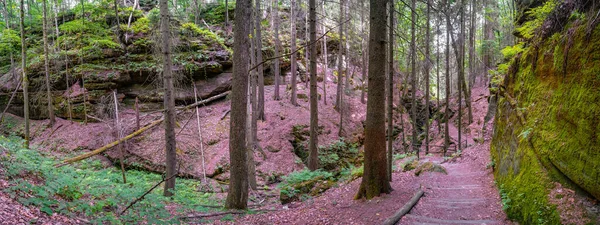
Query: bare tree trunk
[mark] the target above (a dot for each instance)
(326, 60)
(346, 50)
(413, 65)
(293, 50)
(259, 58)
(340, 59)
(363, 82)
(118, 134)
(46, 67)
(85, 94)
(306, 57)
(374, 181)
(277, 45)
(5, 12)
(313, 160)
(237, 196)
(25, 80)
(461, 67)
(169, 101)
(227, 14)
(390, 90)
(199, 132)
(471, 59)
(427, 71)
(70, 112)
(438, 73)
(252, 109)
(447, 110)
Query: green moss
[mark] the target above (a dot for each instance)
(558, 140)
(538, 15)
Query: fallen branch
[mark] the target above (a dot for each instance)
(203, 102)
(108, 146)
(11, 98)
(405, 209)
(147, 192)
(224, 213)
(225, 114)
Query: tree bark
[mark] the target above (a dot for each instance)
(326, 60)
(46, 67)
(313, 160)
(374, 181)
(390, 90)
(427, 70)
(25, 80)
(413, 65)
(363, 43)
(293, 59)
(260, 71)
(276, 68)
(251, 139)
(237, 196)
(447, 110)
(169, 99)
(461, 69)
(340, 59)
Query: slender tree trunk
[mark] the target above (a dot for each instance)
(471, 60)
(251, 139)
(293, 56)
(46, 66)
(277, 45)
(363, 88)
(199, 132)
(438, 68)
(346, 50)
(413, 65)
(461, 72)
(260, 71)
(427, 77)
(227, 14)
(118, 134)
(25, 80)
(85, 94)
(306, 57)
(326, 60)
(169, 99)
(313, 160)
(237, 196)
(374, 181)
(69, 108)
(5, 12)
(340, 59)
(390, 90)
(447, 110)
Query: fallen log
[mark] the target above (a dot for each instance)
(405, 209)
(203, 102)
(108, 146)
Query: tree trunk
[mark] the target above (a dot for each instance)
(346, 50)
(340, 96)
(413, 65)
(169, 99)
(438, 72)
(313, 160)
(25, 80)
(237, 196)
(390, 90)
(340, 59)
(326, 62)
(447, 110)
(252, 109)
(227, 14)
(293, 59)
(46, 67)
(118, 134)
(363, 82)
(199, 132)
(260, 71)
(276, 68)
(427, 70)
(461, 68)
(374, 181)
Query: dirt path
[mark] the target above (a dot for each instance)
(466, 195)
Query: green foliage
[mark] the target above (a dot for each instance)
(295, 181)
(510, 51)
(142, 25)
(215, 13)
(537, 15)
(10, 42)
(89, 189)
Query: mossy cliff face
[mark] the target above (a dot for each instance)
(547, 123)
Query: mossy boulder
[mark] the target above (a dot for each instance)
(430, 167)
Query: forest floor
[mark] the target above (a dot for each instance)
(465, 195)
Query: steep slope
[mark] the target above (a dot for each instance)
(546, 126)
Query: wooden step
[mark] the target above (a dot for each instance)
(428, 220)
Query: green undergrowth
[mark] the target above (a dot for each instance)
(89, 190)
(339, 162)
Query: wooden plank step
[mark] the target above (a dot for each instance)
(428, 220)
